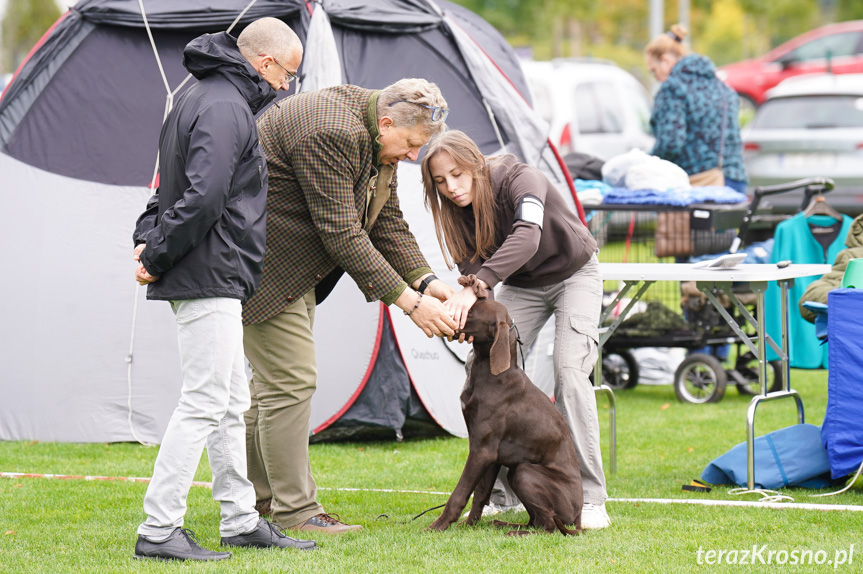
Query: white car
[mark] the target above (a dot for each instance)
(809, 126)
(593, 106)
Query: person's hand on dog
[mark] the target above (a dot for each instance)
(427, 313)
(440, 290)
(461, 338)
(459, 305)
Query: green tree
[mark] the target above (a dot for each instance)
(725, 34)
(849, 10)
(723, 30)
(24, 22)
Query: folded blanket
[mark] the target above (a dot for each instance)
(679, 197)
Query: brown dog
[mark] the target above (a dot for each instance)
(510, 422)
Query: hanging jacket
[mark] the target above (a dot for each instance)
(820, 288)
(205, 225)
(794, 241)
(687, 120)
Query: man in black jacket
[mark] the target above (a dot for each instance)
(200, 244)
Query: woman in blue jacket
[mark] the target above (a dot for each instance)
(694, 115)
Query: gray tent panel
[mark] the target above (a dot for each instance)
(86, 97)
(99, 117)
(205, 15)
(424, 55)
(38, 72)
(67, 317)
(78, 134)
(88, 100)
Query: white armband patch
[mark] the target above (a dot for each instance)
(530, 210)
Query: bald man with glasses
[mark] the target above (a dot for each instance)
(200, 245)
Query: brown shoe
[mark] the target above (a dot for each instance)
(328, 524)
(265, 507)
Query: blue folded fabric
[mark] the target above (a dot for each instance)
(585, 184)
(678, 197)
(793, 456)
(820, 310)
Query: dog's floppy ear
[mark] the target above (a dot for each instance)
(499, 354)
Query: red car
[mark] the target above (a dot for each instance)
(805, 54)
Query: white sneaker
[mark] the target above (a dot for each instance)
(594, 517)
(492, 509)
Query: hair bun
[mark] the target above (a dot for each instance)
(678, 32)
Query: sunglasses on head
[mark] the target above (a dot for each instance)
(437, 114)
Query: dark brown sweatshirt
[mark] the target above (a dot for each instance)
(527, 255)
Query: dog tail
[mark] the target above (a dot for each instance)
(562, 527)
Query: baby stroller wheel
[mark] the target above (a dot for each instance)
(619, 370)
(745, 375)
(700, 378)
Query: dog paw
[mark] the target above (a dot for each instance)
(437, 526)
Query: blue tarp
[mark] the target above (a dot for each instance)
(842, 432)
(792, 456)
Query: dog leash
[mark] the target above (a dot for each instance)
(519, 341)
(385, 516)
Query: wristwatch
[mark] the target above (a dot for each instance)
(425, 283)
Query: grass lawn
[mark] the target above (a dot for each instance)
(62, 526)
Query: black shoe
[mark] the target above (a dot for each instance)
(267, 535)
(180, 545)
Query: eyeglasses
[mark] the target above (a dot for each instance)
(291, 76)
(437, 114)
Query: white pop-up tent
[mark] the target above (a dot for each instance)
(84, 356)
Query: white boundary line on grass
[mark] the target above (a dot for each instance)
(385, 490)
(697, 502)
(86, 477)
(745, 503)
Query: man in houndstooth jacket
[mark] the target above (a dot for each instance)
(332, 208)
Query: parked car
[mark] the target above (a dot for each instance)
(836, 48)
(810, 126)
(592, 106)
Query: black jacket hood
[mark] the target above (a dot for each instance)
(218, 54)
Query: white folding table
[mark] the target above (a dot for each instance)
(719, 280)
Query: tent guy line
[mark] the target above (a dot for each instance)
(698, 502)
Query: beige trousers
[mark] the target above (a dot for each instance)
(284, 376)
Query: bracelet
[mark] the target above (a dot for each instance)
(420, 298)
(425, 283)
